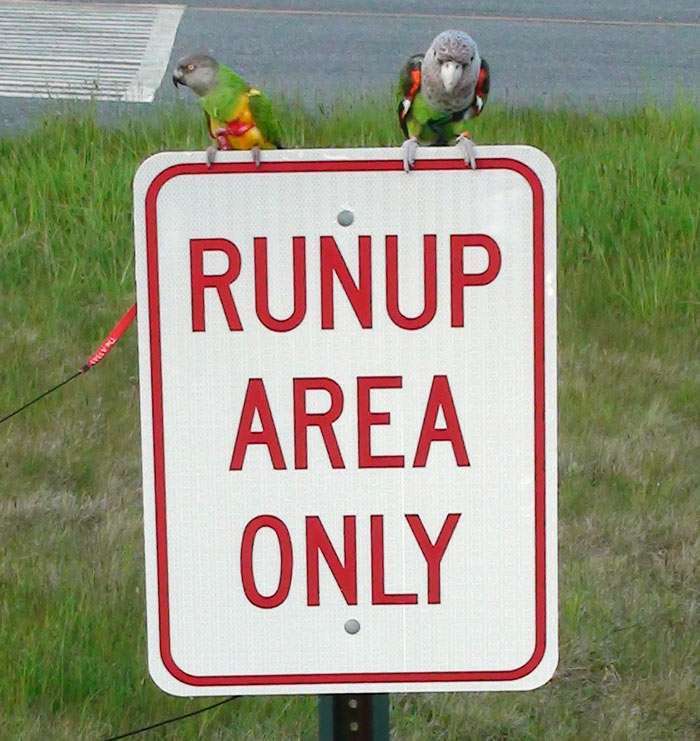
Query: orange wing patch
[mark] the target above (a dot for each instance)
(408, 100)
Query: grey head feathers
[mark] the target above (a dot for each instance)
(450, 71)
(455, 45)
(198, 72)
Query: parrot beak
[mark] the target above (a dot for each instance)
(177, 78)
(450, 72)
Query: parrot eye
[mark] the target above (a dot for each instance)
(190, 67)
(471, 58)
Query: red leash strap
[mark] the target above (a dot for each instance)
(105, 347)
(111, 339)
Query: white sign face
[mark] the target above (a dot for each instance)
(348, 400)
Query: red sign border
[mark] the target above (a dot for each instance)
(158, 438)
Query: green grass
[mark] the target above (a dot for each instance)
(72, 638)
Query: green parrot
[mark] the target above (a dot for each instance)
(238, 116)
(438, 91)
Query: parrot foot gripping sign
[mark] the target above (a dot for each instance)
(348, 403)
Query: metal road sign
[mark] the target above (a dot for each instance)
(348, 400)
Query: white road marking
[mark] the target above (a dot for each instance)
(80, 50)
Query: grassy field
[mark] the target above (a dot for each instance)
(72, 638)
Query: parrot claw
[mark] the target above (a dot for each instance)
(211, 154)
(408, 153)
(466, 147)
(255, 151)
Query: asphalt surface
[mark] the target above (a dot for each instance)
(610, 55)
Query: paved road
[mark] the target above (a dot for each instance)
(604, 54)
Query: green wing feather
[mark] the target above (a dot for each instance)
(265, 118)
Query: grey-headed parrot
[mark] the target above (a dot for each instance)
(238, 116)
(438, 92)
